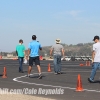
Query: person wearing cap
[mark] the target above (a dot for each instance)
(33, 53)
(95, 58)
(20, 51)
(58, 51)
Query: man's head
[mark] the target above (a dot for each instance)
(34, 37)
(58, 41)
(21, 41)
(96, 39)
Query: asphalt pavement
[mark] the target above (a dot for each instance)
(65, 84)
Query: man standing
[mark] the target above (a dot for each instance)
(95, 58)
(58, 51)
(20, 50)
(33, 52)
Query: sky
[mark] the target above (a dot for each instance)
(72, 21)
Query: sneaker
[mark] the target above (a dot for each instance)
(28, 76)
(40, 77)
(21, 71)
(91, 81)
(56, 73)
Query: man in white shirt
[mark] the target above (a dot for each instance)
(95, 58)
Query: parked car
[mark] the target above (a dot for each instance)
(66, 59)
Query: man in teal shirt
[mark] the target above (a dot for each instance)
(20, 50)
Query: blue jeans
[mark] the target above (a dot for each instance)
(95, 66)
(57, 63)
(20, 63)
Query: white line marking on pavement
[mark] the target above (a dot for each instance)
(16, 80)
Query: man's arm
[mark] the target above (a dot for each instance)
(93, 55)
(40, 47)
(16, 51)
(51, 52)
(63, 52)
(24, 51)
(29, 52)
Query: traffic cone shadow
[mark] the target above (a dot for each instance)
(4, 73)
(79, 87)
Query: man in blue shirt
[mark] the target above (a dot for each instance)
(33, 52)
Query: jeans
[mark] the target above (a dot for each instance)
(20, 63)
(57, 63)
(95, 66)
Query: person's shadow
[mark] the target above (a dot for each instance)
(25, 71)
(36, 76)
(96, 81)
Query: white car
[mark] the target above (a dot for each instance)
(66, 59)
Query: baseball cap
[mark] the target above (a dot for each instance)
(34, 36)
(96, 37)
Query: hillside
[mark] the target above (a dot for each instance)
(70, 50)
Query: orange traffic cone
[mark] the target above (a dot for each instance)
(49, 68)
(4, 73)
(79, 87)
(0, 57)
(88, 63)
(81, 64)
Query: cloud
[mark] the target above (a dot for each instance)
(96, 24)
(64, 14)
(74, 13)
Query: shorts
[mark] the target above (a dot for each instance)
(34, 59)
